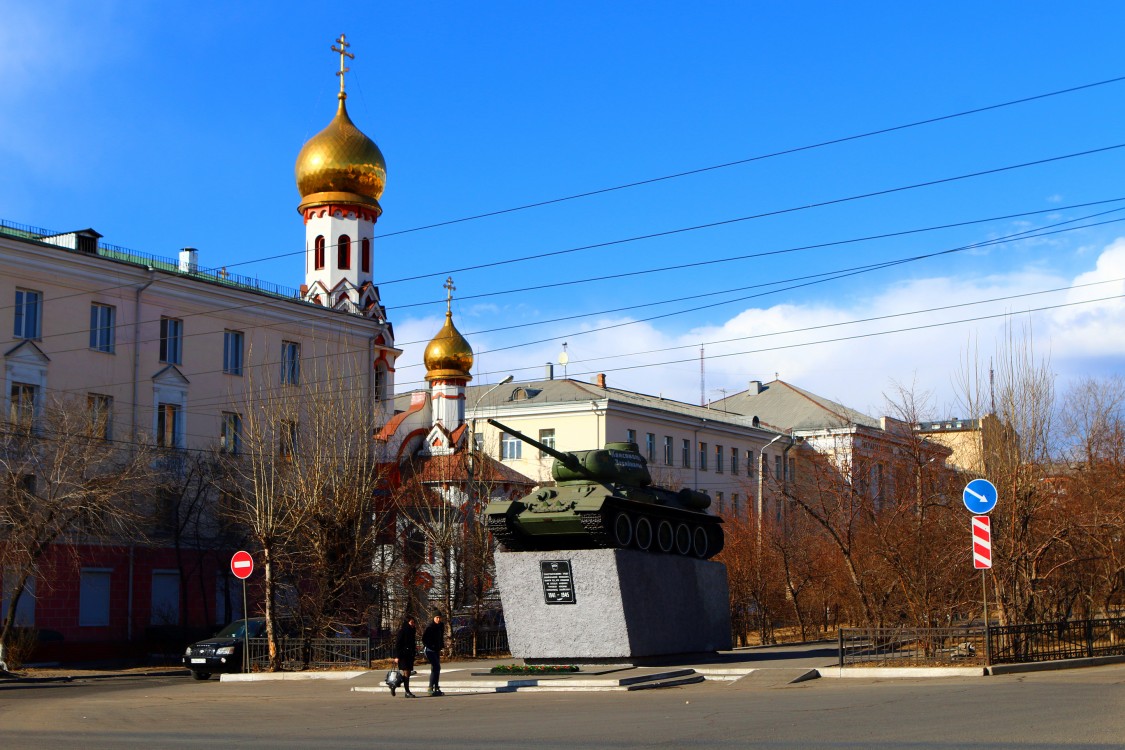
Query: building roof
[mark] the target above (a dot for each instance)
(562, 391)
(784, 407)
(453, 469)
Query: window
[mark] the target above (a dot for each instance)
(172, 341)
(29, 312)
(751, 467)
(100, 413)
(668, 450)
(719, 501)
(734, 503)
(650, 447)
(344, 252)
(25, 607)
(631, 436)
(165, 608)
(685, 454)
(230, 436)
(734, 460)
(102, 321)
(169, 425)
(380, 383)
(793, 470)
(318, 253)
(290, 363)
(93, 597)
(21, 408)
(365, 254)
(719, 459)
(777, 468)
(478, 441)
(547, 438)
(232, 352)
(510, 447)
(287, 443)
(702, 456)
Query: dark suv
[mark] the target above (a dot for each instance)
(222, 652)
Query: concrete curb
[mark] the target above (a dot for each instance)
(890, 673)
(284, 676)
(1048, 666)
(13, 680)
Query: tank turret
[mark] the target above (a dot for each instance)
(604, 498)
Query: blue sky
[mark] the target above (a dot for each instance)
(166, 125)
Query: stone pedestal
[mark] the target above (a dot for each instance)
(622, 604)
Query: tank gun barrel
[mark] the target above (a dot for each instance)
(569, 460)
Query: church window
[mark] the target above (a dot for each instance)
(365, 254)
(344, 250)
(318, 253)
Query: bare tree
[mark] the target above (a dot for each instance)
(62, 481)
(302, 483)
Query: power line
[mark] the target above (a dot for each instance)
(762, 215)
(806, 281)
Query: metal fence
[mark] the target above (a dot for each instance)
(305, 653)
(1048, 641)
(967, 646)
(912, 647)
(312, 653)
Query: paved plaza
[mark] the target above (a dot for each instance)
(1077, 708)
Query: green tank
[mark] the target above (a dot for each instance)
(604, 498)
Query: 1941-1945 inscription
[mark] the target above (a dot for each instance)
(558, 581)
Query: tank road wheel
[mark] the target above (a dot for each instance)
(683, 538)
(622, 530)
(642, 531)
(699, 543)
(665, 535)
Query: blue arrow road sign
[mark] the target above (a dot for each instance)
(980, 496)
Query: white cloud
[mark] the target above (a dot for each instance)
(834, 360)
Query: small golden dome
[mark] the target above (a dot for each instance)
(449, 354)
(340, 165)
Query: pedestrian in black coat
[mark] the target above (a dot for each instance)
(406, 649)
(433, 641)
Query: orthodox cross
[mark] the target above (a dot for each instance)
(343, 50)
(449, 289)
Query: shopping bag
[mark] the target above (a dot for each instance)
(394, 678)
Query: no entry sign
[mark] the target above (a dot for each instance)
(982, 542)
(242, 565)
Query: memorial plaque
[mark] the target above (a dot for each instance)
(558, 582)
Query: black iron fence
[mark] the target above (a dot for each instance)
(306, 653)
(1048, 641)
(313, 653)
(971, 646)
(912, 647)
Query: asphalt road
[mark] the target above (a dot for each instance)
(1082, 708)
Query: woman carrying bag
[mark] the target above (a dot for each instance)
(406, 649)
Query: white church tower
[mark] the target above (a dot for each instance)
(449, 360)
(341, 175)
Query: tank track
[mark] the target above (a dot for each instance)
(501, 529)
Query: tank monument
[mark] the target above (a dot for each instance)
(606, 567)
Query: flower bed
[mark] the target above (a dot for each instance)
(533, 669)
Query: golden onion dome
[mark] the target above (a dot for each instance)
(340, 165)
(448, 355)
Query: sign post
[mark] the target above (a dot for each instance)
(980, 498)
(242, 565)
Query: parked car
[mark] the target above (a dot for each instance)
(222, 652)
